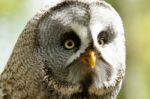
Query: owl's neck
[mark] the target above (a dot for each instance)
(84, 96)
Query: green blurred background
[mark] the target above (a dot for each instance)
(14, 14)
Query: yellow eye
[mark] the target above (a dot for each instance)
(69, 44)
(101, 42)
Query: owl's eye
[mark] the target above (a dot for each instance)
(101, 42)
(103, 38)
(70, 41)
(69, 44)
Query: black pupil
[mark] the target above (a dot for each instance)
(70, 43)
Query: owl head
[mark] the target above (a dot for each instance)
(81, 44)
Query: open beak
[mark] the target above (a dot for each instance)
(89, 57)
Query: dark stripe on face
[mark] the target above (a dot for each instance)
(108, 68)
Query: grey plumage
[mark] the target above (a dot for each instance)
(43, 67)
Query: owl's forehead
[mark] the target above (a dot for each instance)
(96, 16)
(71, 12)
(84, 18)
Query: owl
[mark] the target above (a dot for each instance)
(72, 49)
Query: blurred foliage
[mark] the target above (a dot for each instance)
(136, 19)
(10, 6)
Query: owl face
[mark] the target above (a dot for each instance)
(82, 43)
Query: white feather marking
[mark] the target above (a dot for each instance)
(113, 53)
(82, 32)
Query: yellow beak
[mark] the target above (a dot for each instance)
(89, 58)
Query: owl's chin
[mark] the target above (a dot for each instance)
(86, 86)
(80, 80)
